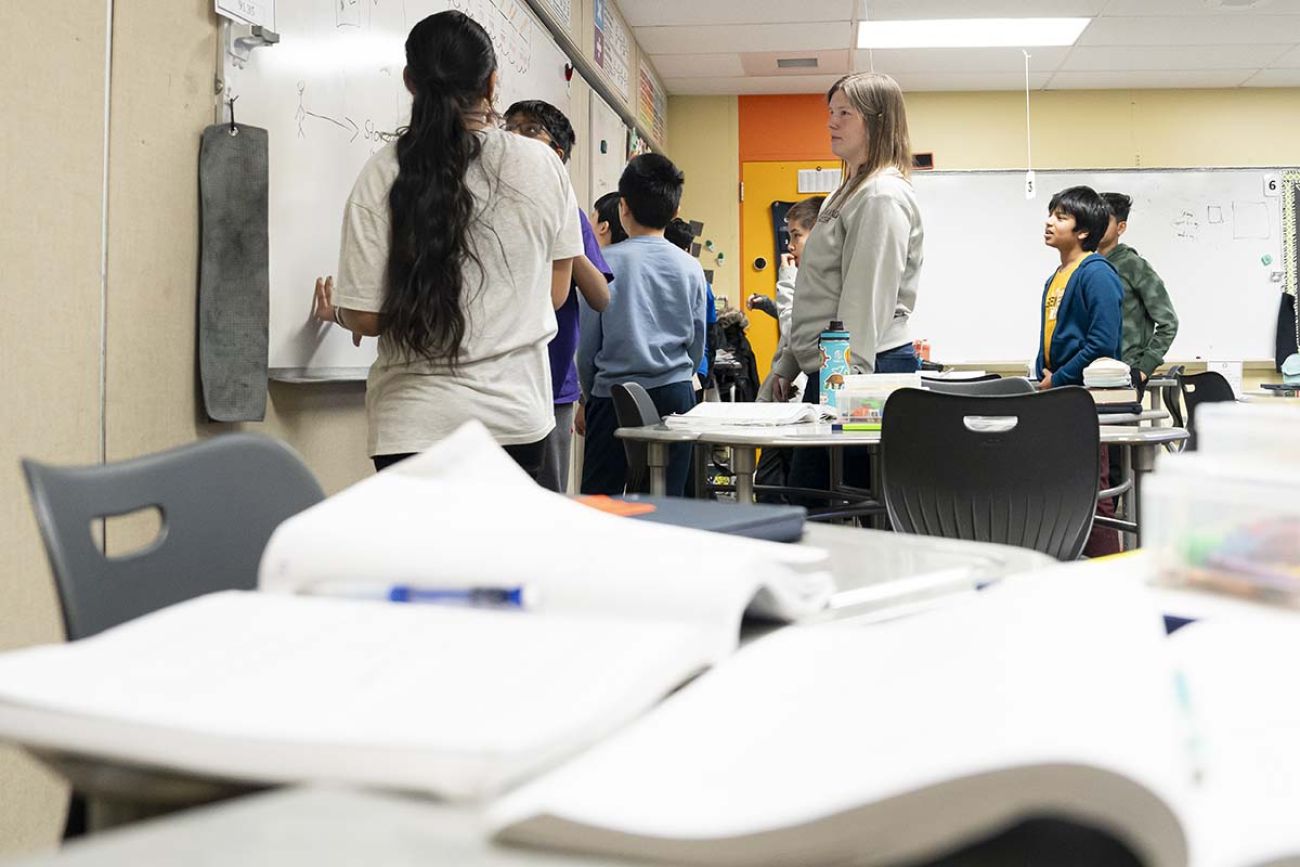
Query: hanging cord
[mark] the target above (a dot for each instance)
(1029, 139)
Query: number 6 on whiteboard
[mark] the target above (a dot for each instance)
(1272, 185)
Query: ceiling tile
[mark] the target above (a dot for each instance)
(1290, 60)
(1003, 60)
(745, 37)
(698, 65)
(953, 81)
(1191, 30)
(1131, 57)
(818, 84)
(1199, 7)
(648, 13)
(1153, 80)
(886, 10)
(1274, 78)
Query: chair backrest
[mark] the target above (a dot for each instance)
(634, 408)
(219, 500)
(1199, 388)
(1000, 387)
(1173, 401)
(1021, 470)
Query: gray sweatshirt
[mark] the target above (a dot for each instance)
(861, 264)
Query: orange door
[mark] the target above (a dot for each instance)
(765, 183)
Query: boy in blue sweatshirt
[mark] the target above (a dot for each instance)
(1081, 314)
(1081, 300)
(652, 332)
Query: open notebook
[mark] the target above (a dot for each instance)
(907, 740)
(455, 701)
(463, 515)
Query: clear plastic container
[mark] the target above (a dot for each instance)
(1256, 431)
(1229, 524)
(862, 399)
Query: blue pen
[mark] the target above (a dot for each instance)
(509, 596)
(489, 597)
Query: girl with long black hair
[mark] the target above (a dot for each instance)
(458, 245)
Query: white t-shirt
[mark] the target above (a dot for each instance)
(525, 217)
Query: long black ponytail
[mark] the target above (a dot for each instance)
(449, 66)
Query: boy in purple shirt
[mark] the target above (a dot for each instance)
(546, 123)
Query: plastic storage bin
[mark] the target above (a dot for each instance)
(1225, 523)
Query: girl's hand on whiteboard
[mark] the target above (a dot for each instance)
(323, 306)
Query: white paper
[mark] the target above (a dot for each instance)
(463, 514)
(257, 12)
(276, 688)
(817, 720)
(716, 413)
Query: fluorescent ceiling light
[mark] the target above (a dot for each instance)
(971, 33)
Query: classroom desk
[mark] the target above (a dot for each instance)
(1263, 396)
(1156, 387)
(1137, 455)
(1137, 458)
(860, 560)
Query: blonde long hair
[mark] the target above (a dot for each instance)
(879, 99)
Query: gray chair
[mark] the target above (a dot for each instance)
(999, 387)
(634, 408)
(219, 500)
(1020, 470)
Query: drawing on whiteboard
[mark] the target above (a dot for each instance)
(1186, 226)
(509, 25)
(1214, 214)
(347, 13)
(348, 125)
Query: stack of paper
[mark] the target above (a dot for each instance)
(1107, 373)
(708, 415)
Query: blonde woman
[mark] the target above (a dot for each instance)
(862, 262)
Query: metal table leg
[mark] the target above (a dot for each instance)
(744, 462)
(656, 458)
(1124, 503)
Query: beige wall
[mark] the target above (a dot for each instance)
(1109, 129)
(703, 140)
(51, 148)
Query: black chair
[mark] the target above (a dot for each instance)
(634, 408)
(1173, 401)
(999, 387)
(1019, 470)
(1199, 388)
(219, 499)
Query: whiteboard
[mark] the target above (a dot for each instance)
(1213, 235)
(330, 94)
(608, 148)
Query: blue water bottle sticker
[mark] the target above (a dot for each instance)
(834, 345)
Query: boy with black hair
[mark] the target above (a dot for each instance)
(679, 234)
(591, 275)
(652, 333)
(1081, 300)
(1149, 321)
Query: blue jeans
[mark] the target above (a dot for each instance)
(604, 460)
(811, 468)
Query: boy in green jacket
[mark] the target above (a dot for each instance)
(1150, 323)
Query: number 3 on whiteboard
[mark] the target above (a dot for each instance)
(1272, 185)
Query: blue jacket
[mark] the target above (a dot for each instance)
(1088, 321)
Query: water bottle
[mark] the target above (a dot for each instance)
(834, 346)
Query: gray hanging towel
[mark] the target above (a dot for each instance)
(234, 272)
